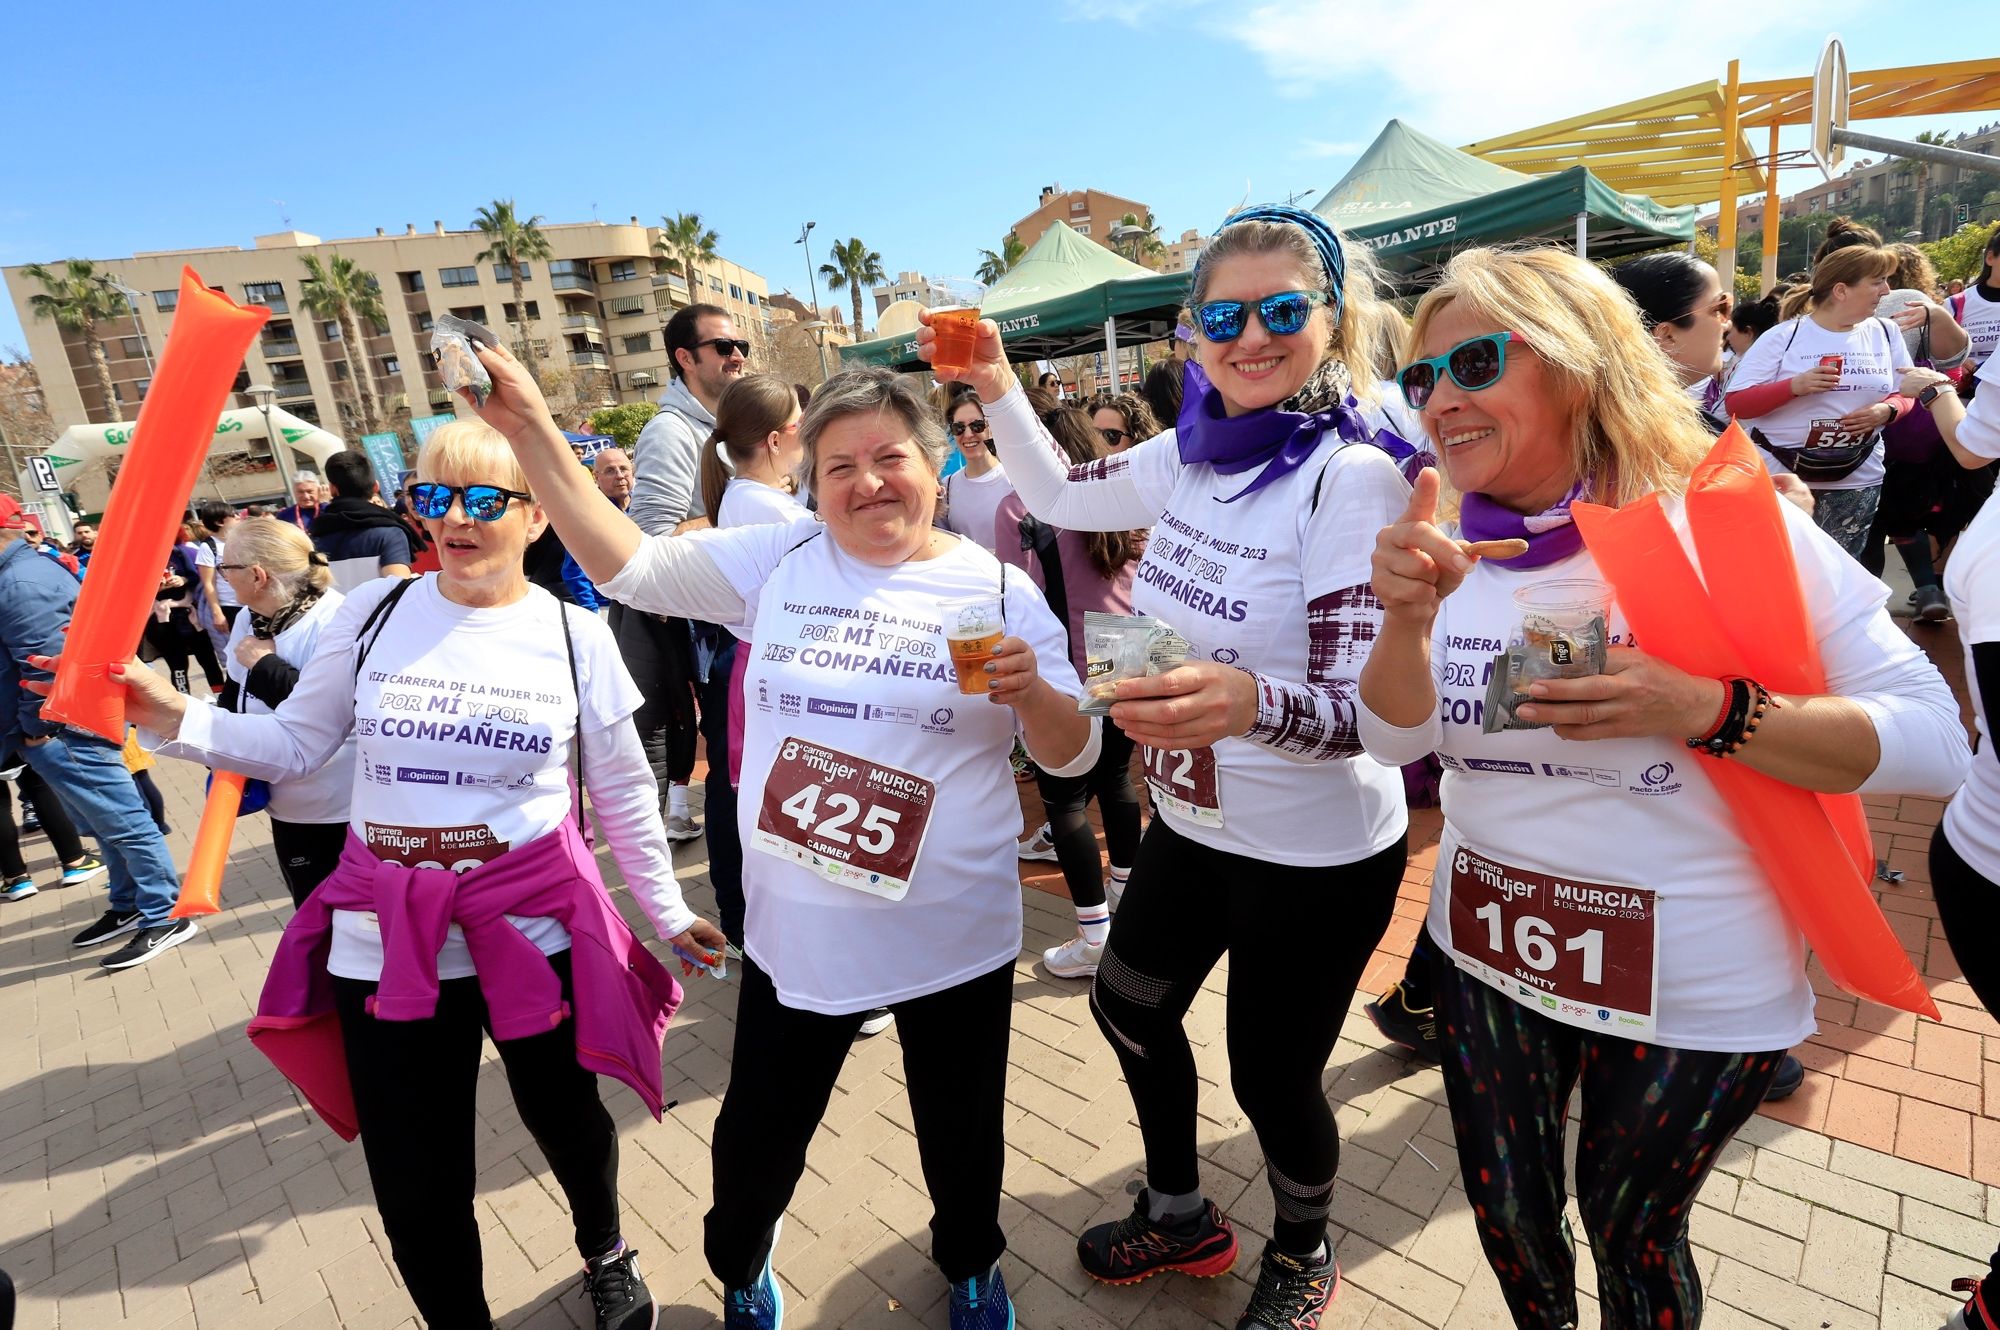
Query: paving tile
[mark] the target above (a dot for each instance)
(1934, 1134)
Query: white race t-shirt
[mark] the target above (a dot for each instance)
(204, 557)
(1981, 320)
(971, 501)
(320, 796)
(1641, 812)
(463, 721)
(753, 503)
(851, 672)
(1972, 580)
(1873, 358)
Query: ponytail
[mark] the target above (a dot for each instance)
(1850, 264)
(714, 475)
(752, 409)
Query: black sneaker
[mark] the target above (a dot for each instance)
(149, 942)
(1933, 606)
(111, 924)
(617, 1294)
(1791, 1075)
(1411, 1027)
(1135, 1247)
(1292, 1292)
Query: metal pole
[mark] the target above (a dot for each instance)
(278, 448)
(1920, 152)
(1725, 230)
(1772, 209)
(812, 288)
(146, 353)
(1582, 234)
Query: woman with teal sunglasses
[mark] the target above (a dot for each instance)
(1598, 917)
(1275, 843)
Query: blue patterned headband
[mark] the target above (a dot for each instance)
(1324, 239)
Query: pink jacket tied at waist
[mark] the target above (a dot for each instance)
(624, 997)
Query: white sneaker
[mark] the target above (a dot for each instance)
(879, 1019)
(1041, 845)
(1074, 959)
(682, 827)
(1114, 891)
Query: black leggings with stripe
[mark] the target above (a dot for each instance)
(1298, 939)
(1653, 1120)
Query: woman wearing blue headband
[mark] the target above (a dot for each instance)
(1276, 842)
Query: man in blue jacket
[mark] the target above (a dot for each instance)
(37, 597)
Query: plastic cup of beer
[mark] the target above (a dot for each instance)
(957, 329)
(1562, 621)
(973, 626)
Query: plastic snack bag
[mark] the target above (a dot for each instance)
(1564, 631)
(452, 342)
(1123, 646)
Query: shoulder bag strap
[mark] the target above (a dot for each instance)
(378, 619)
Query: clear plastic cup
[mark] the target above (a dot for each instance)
(973, 626)
(1563, 624)
(957, 329)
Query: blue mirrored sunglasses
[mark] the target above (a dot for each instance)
(1475, 363)
(1283, 314)
(483, 503)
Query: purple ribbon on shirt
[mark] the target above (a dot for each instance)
(1277, 440)
(1551, 535)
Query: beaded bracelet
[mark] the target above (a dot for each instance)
(1748, 703)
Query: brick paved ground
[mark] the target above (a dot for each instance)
(156, 1172)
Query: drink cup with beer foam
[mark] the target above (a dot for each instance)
(973, 626)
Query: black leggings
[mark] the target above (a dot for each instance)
(1653, 1121)
(660, 655)
(725, 842)
(1968, 905)
(176, 640)
(414, 1095)
(781, 1075)
(156, 804)
(1298, 939)
(55, 824)
(1065, 798)
(307, 852)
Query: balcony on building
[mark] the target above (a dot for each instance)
(585, 358)
(271, 295)
(292, 389)
(584, 322)
(572, 275)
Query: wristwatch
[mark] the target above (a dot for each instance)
(1932, 393)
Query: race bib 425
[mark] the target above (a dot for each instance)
(855, 822)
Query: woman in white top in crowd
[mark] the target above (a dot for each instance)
(748, 468)
(1978, 306)
(1540, 387)
(466, 693)
(973, 493)
(286, 591)
(1965, 850)
(1818, 389)
(1277, 841)
(876, 873)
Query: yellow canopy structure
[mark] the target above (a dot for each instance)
(1694, 144)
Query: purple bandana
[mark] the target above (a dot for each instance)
(1277, 440)
(1551, 536)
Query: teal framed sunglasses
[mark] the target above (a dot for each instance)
(1283, 314)
(483, 503)
(1475, 363)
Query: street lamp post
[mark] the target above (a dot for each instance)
(265, 394)
(812, 288)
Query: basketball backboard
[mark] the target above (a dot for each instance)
(1829, 106)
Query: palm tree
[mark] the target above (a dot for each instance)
(1931, 136)
(514, 242)
(1139, 248)
(342, 290)
(992, 266)
(854, 266)
(686, 243)
(78, 299)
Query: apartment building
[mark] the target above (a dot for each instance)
(594, 314)
(1088, 212)
(1873, 184)
(1182, 254)
(913, 286)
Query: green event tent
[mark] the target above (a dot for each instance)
(1066, 297)
(1415, 202)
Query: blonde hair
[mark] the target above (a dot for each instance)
(283, 551)
(1851, 265)
(1632, 429)
(1363, 334)
(1913, 270)
(472, 452)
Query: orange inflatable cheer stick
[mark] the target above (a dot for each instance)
(1803, 841)
(201, 889)
(190, 387)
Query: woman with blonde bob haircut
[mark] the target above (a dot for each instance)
(1674, 997)
(466, 898)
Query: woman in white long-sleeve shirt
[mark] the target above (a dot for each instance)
(1277, 842)
(465, 694)
(1673, 991)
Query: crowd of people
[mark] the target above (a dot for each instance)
(1349, 521)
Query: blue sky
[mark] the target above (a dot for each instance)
(924, 133)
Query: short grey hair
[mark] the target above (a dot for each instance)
(867, 391)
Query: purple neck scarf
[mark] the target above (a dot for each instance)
(1551, 536)
(1278, 440)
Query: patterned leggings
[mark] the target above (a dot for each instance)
(1652, 1123)
(1848, 516)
